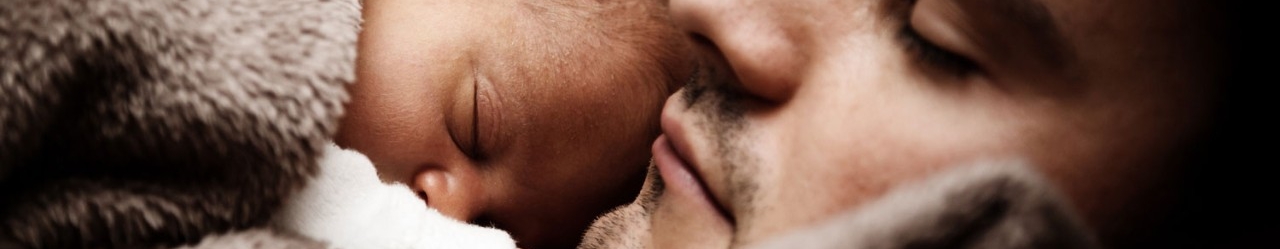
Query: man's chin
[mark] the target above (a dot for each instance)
(625, 227)
(628, 225)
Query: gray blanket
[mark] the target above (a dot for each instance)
(152, 123)
(1002, 205)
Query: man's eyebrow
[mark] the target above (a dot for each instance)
(1032, 21)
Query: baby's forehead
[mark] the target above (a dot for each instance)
(620, 20)
(633, 38)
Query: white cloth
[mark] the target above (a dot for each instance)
(347, 206)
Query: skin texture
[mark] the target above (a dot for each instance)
(530, 116)
(807, 108)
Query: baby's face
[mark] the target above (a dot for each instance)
(531, 116)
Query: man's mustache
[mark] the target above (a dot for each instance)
(719, 88)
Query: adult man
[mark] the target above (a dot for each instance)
(809, 108)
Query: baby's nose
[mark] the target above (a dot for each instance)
(456, 192)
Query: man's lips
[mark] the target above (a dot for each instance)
(680, 177)
(684, 215)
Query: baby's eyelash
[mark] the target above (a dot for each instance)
(935, 57)
(475, 121)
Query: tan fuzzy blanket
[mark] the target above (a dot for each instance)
(152, 123)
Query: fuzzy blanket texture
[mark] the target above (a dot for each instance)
(992, 205)
(156, 123)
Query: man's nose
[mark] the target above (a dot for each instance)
(751, 37)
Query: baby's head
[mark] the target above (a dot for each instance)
(531, 116)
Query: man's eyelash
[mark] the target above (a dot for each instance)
(935, 57)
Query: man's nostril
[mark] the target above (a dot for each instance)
(701, 40)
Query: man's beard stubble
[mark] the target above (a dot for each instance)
(720, 105)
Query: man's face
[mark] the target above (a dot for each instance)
(530, 116)
(812, 107)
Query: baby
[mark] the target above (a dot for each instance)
(533, 117)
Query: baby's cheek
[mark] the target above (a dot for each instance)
(390, 174)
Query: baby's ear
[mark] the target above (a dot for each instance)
(456, 192)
